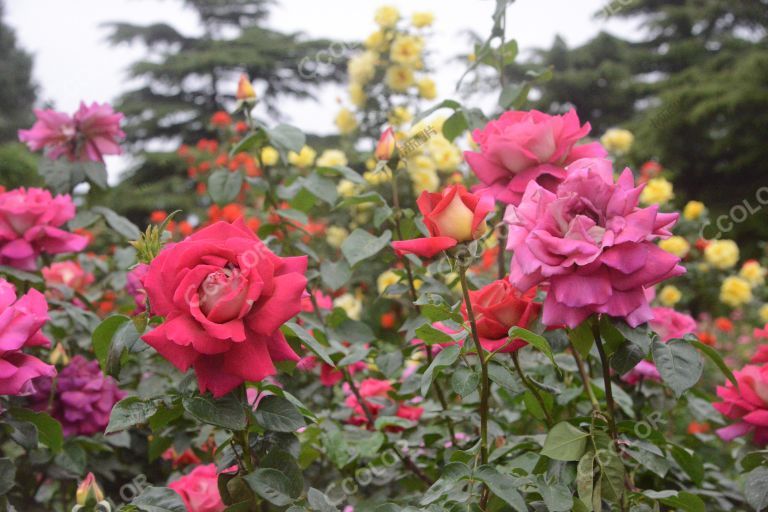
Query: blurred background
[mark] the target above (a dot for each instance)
(688, 77)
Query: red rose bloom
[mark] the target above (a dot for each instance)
(224, 296)
(499, 307)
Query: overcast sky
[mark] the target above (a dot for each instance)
(73, 60)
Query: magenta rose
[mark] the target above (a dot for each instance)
(30, 222)
(497, 308)
(135, 287)
(644, 370)
(527, 146)
(452, 216)
(224, 296)
(20, 324)
(592, 243)
(199, 489)
(748, 404)
(670, 324)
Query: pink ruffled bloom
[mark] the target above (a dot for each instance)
(199, 490)
(20, 324)
(592, 243)
(520, 147)
(94, 131)
(30, 221)
(224, 296)
(670, 324)
(748, 403)
(452, 216)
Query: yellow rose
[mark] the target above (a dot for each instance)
(386, 16)
(346, 188)
(399, 78)
(427, 88)
(269, 156)
(305, 158)
(422, 19)
(377, 178)
(763, 312)
(335, 236)
(753, 273)
(332, 158)
(735, 291)
(676, 245)
(350, 304)
(447, 156)
(670, 295)
(424, 179)
(399, 115)
(617, 140)
(357, 95)
(346, 121)
(722, 253)
(377, 41)
(406, 50)
(385, 280)
(693, 210)
(361, 68)
(422, 162)
(657, 191)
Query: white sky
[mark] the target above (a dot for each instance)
(73, 61)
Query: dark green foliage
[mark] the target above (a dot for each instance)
(17, 92)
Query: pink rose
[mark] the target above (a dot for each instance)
(499, 307)
(20, 324)
(135, 287)
(644, 370)
(67, 273)
(528, 146)
(748, 403)
(29, 225)
(199, 490)
(592, 243)
(670, 324)
(451, 216)
(224, 296)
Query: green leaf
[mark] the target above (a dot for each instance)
(582, 338)
(685, 501)
(96, 172)
(565, 442)
(452, 104)
(714, 355)
(389, 363)
(120, 224)
(287, 137)
(503, 486)
(129, 412)
(48, 429)
(452, 473)
(279, 415)
(361, 245)
(455, 125)
(464, 381)
(272, 485)
(691, 463)
(534, 340)
(7, 475)
(639, 335)
(224, 185)
(102, 337)
(335, 274)
(319, 502)
(310, 341)
(321, 188)
(756, 488)
(294, 215)
(20, 275)
(626, 357)
(557, 497)
(611, 468)
(254, 140)
(343, 171)
(431, 335)
(678, 363)
(159, 499)
(445, 358)
(585, 478)
(226, 412)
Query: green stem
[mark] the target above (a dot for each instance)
(531, 387)
(585, 379)
(242, 435)
(606, 379)
(484, 380)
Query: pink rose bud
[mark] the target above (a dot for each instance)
(245, 90)
(88, 492)
(385, 148)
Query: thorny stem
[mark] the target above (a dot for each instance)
(606, 379)
(531, 387)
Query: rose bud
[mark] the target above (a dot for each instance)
(88, 492)
(385, 148)
(498, 307)
(451, 216)
(245, 90)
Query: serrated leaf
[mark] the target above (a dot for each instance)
(224, 185)
(279, 415)
(226, 412)
(444, 358)
(678, 363)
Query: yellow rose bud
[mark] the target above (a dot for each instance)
(385, 280)
(386, 16)
(88, 492)
(335, 236)
(332, 158)
(346, 121)
(753, 272)
(657, 191)
(693, 210)
(245, 90)
(350, 304)
(676, 245)
(617, 140)
(670, 295)
(422, 19)
(305, 158)
(427, 88)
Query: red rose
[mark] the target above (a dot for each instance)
(498, 307)
(451, 216)
(224, 296)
